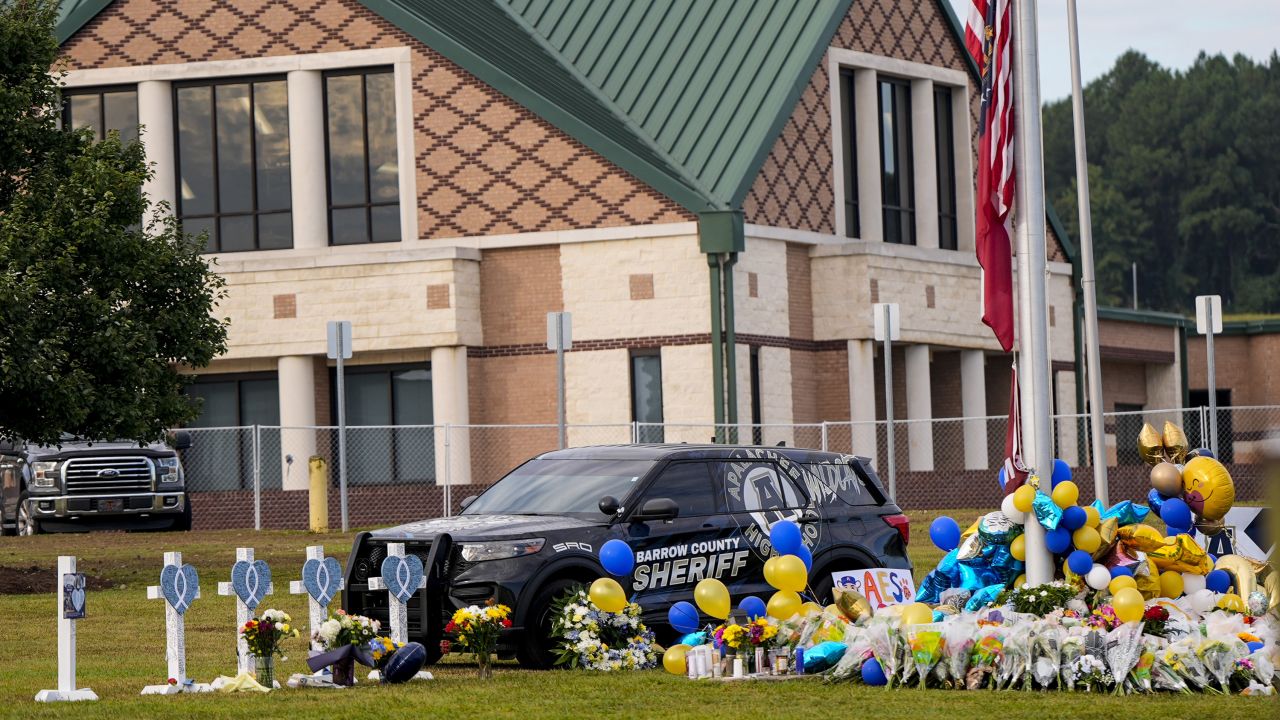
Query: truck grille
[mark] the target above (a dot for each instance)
(107, 475)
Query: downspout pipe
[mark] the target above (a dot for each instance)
(721, 235)
(717, 358)
(730, 349)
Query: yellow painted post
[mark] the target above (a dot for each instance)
(319, 494)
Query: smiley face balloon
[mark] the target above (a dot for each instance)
(1207, 488)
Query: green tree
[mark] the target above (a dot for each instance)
(97, 313)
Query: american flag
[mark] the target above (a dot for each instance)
(987, 36)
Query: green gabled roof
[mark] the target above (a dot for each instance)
(73, 14)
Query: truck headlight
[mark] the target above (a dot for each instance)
(169, 470)
(501, 549)
(44, 474)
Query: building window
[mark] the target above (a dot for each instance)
(102, 110)
(944, 141)
(646, 396)
(364, 170)
(233, 163)
(221, 456)
(390, 439)
(852, 224)
(896, 176)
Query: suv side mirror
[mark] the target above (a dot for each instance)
(467, 501)
(657, 509)
(181, 440)
(609, 505)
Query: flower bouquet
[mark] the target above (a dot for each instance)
(925, 642)
(593, 639)
(1091, 672)
(1155, 621)
(1071, 650)
(1038, 599)
(988, 650)
(1046, 654)
(263, 635)
(1124, 649)
(476, 629)
(345, 639)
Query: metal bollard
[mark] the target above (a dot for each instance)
(319, 493)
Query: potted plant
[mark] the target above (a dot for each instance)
(264, 635)
(476, 630)
(345, 639)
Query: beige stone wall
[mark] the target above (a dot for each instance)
(766, 314)
(686, 392)
(598, 392)
(775, 394)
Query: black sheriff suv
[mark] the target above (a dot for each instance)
(688, 511)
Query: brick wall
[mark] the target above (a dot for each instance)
(1124, 383)
(518, 287)
(1154, 338)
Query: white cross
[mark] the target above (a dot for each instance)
(66, 645)
(175, 640)
(243, 613)
(317, 613)
(399, 611)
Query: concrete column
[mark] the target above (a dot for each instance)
(961, 140)
(973, 403)
(155, 114)
(1067, 427)
(307, 172)
(297, 381)
(862, 396)
(919, 407)
(450, 404)
(866, 131)
(924, 153)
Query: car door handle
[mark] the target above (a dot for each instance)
(810, 516)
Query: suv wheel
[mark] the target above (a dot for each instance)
(27, 524)
(537, 649)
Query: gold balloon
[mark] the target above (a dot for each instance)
(1175, 443)
(1150, 445)
(1107, 531)
(1243, 571)
(1207, 488)
(852, 604)
(1272, 585)
(1166, 479)
(1147, 578)
(1232, 602)
(1210, 527)
(1180, 554)
(673, 659)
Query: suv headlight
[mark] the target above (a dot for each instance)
(169, 470)
(501, 549)
(44, 474)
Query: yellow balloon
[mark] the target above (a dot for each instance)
(1065, 494)
(1208, 488)
(810, 608)
(608, 595)
(1087, 539)
(1171, 584)
(712, 597)
(1018, 548)
(791, 574)
(1022, 580)
(1128, 604)
(1232, 602)
(1023, 498)
(673, 659)
(1120, 583)
(917, 614)
(783, 604)
(771, 572)
(1092, 518)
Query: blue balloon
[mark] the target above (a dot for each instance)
(617, 558)
(1176, 513)
(805, 554)
(404, 663)
(1218, 581)
(1201, 452)
(785, 537)
(1074, 518)
(753, 607)
(1254, 646)
(873, 674)
(1058, 540)
(683, 616)
(1172, 531)
(1002, 478)
(1080, 562)
(694, 639)
(1119, 570)
(945, 533)
(1061, 472)
(1155, 500)
(1213, 559)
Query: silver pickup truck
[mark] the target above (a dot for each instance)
(78, 486)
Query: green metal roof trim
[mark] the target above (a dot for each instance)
(73, 14)
(1146, 317)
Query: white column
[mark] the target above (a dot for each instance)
(924, 163)
(451, 405)
(297, 382)
(1066, 428)
(155, 114)
(962, 142)
(973, 403)
(862, 396)
(866, 131)
(919, 407)
(307, 175)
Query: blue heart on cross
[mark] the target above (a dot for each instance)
(402, 576)
(77, 598)
(180, 584)
(322, 579)
(250, 581)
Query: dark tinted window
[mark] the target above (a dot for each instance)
(689, 485)
(946, 167)
(103, 111)
(897, 174)
(561, 487)
(844, 482)
(364, 170)
(756, 486)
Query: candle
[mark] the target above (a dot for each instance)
(737, 667)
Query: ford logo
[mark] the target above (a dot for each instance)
(108, 473)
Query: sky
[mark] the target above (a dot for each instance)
(1170, 32)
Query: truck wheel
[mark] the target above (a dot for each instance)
(27, 524)
(537, 650)
(183, 522)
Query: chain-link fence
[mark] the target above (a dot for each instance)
(260, 476)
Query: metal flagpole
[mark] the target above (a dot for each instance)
(1088, 283)
(1029, 228)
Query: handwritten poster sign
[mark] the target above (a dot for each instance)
(880, 586)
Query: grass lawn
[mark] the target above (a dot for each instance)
(121, 648)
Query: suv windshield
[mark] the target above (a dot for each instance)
(561, 487)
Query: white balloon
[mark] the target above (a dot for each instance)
(1203, 601)
(1098, 578)
(1016, 516)
(1192, 583)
